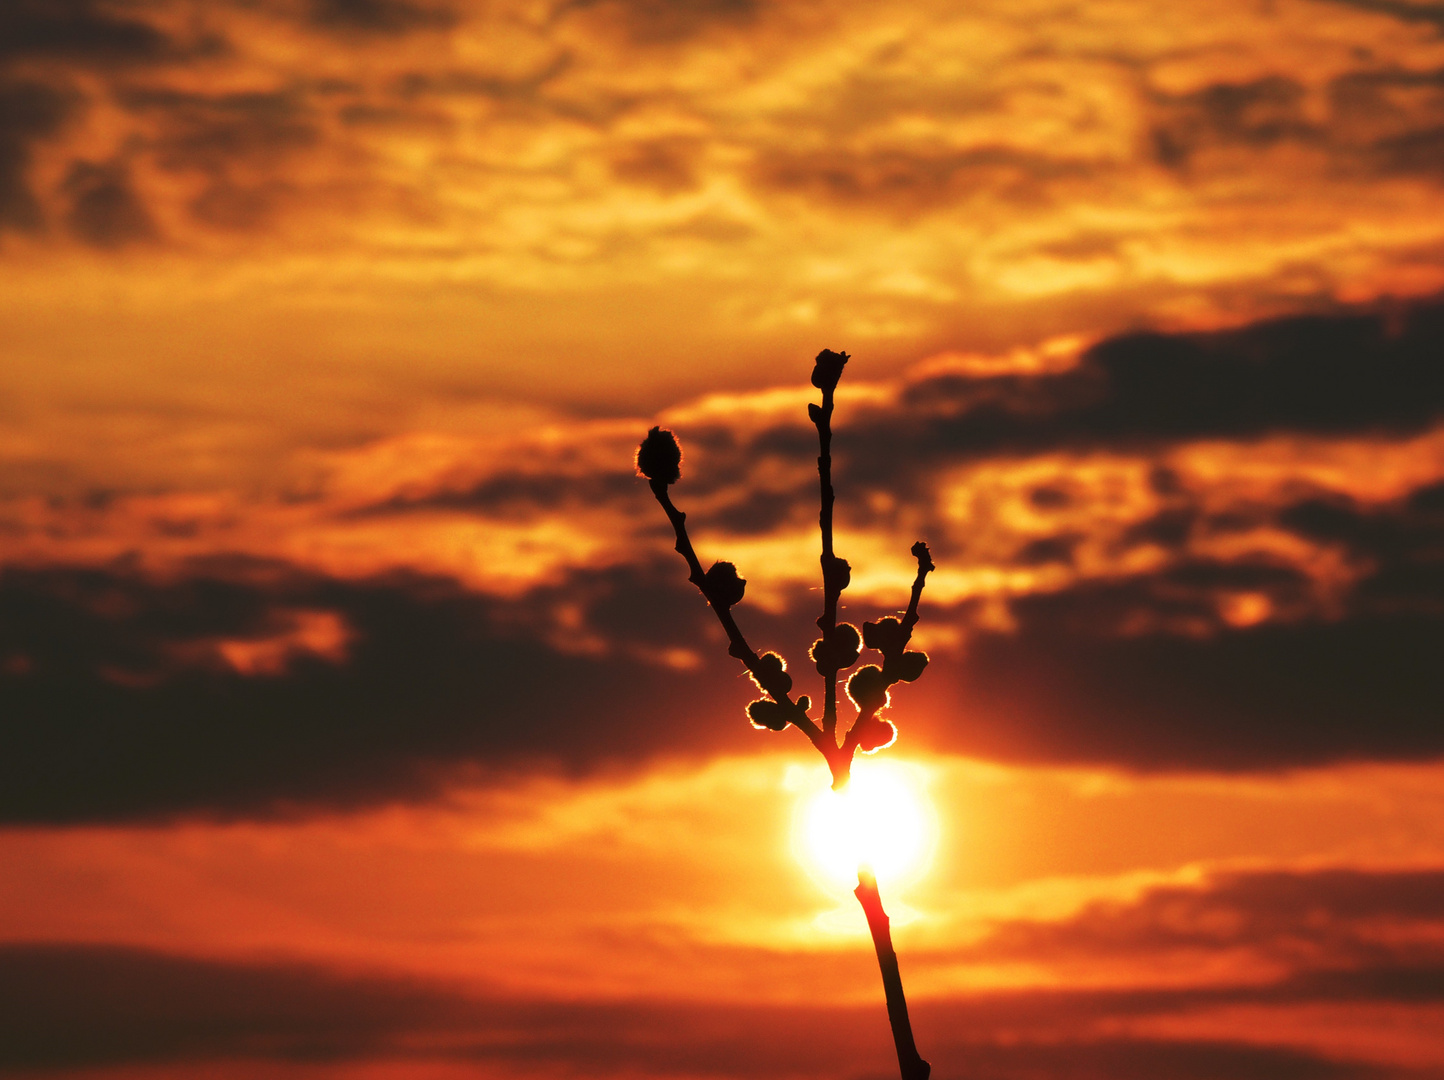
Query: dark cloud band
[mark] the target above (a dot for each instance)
(71, 1006)
(231, 687)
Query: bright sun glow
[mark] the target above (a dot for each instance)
(883, 819)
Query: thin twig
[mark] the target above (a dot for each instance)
(909, 620)
(822, 418)
(737, 644)
(925, 567)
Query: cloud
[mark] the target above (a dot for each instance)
(1403, 10)
(1393, 117)
(105, 210)
(1158, 405)
(237, 693)
(1326, 374)
(908, 182)
(209, 132)
(668, 166)
(1267, 696)
(233, 148)
(1255, 114)
(1157, 615)
(946, 165)
(241, 692)
(78, 30)
(1200, 551)
(100, 1005)
(1325, 934)
(43, 44)
(666, 22)
(69, 1006)
(1379, 120)
(28, 111)
(378, 16)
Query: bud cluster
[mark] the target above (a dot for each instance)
(869, 686)
(659, 459)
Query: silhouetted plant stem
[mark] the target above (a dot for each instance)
(925, 567)
(909, 620)
(659, 459)
(909, 1060)
(831, 589)
(737, 644)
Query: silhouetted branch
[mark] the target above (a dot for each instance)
(836, 573)
(925, 567)
(659, 459)
(909, 1060)
(870, 687)
(773, 680)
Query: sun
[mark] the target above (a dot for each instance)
(883, 819)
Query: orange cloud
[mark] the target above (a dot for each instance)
(1174, 551)
(233, 205)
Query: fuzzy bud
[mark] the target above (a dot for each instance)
(722, 585)
(659, 457)
(836, 574)
(836, 650)
(772, 672)
(827, 369)
(768, 714)
(887, 636)
(874, 734)
(906, 667)
(868, 689)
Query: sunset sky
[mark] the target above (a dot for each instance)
(357, 720)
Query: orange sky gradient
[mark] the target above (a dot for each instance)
(357, 721)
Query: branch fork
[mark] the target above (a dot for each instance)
(869, 687)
